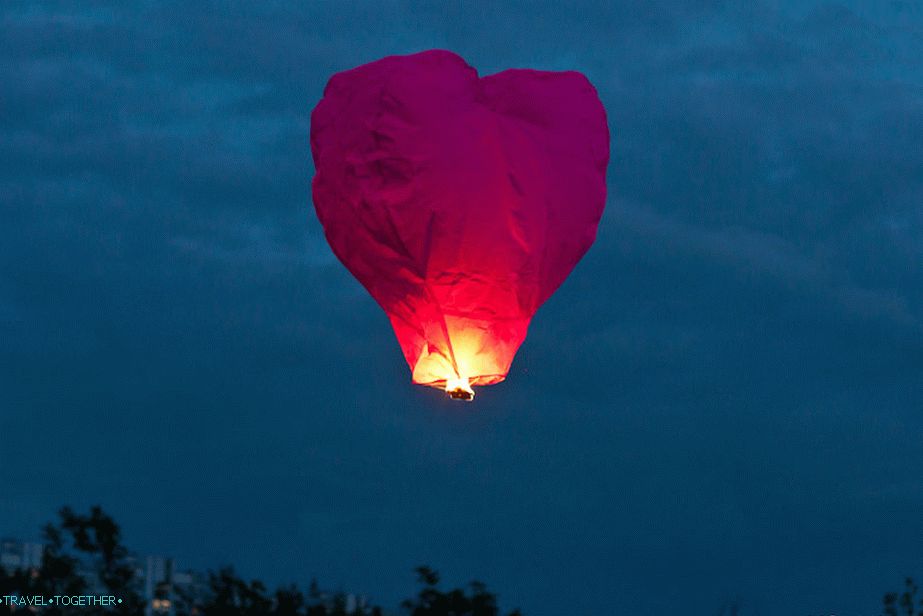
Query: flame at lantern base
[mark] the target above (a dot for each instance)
(459, 389)
(470, 354)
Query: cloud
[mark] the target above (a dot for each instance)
(726, 386)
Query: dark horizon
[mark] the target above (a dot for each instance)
(722, 401)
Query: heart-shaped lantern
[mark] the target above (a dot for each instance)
(460, 203)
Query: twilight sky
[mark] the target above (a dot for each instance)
(723, 401)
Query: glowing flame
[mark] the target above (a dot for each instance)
(459, 388)
(463, 358)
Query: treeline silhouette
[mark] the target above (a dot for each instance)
(84, 555)
(905, 602)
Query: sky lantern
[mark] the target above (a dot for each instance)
(461, 203)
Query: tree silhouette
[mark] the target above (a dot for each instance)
(76, 546)
(84, 555)
(903, 603)
(431, 601)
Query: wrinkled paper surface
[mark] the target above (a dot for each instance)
(460, 203)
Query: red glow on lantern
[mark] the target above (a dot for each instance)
(460, 203)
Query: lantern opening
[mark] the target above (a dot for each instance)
(459, 389)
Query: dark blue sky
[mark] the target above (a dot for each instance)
(724, 400)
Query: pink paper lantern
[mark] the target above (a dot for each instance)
(460, 202)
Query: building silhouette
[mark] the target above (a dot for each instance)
(165, 589)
